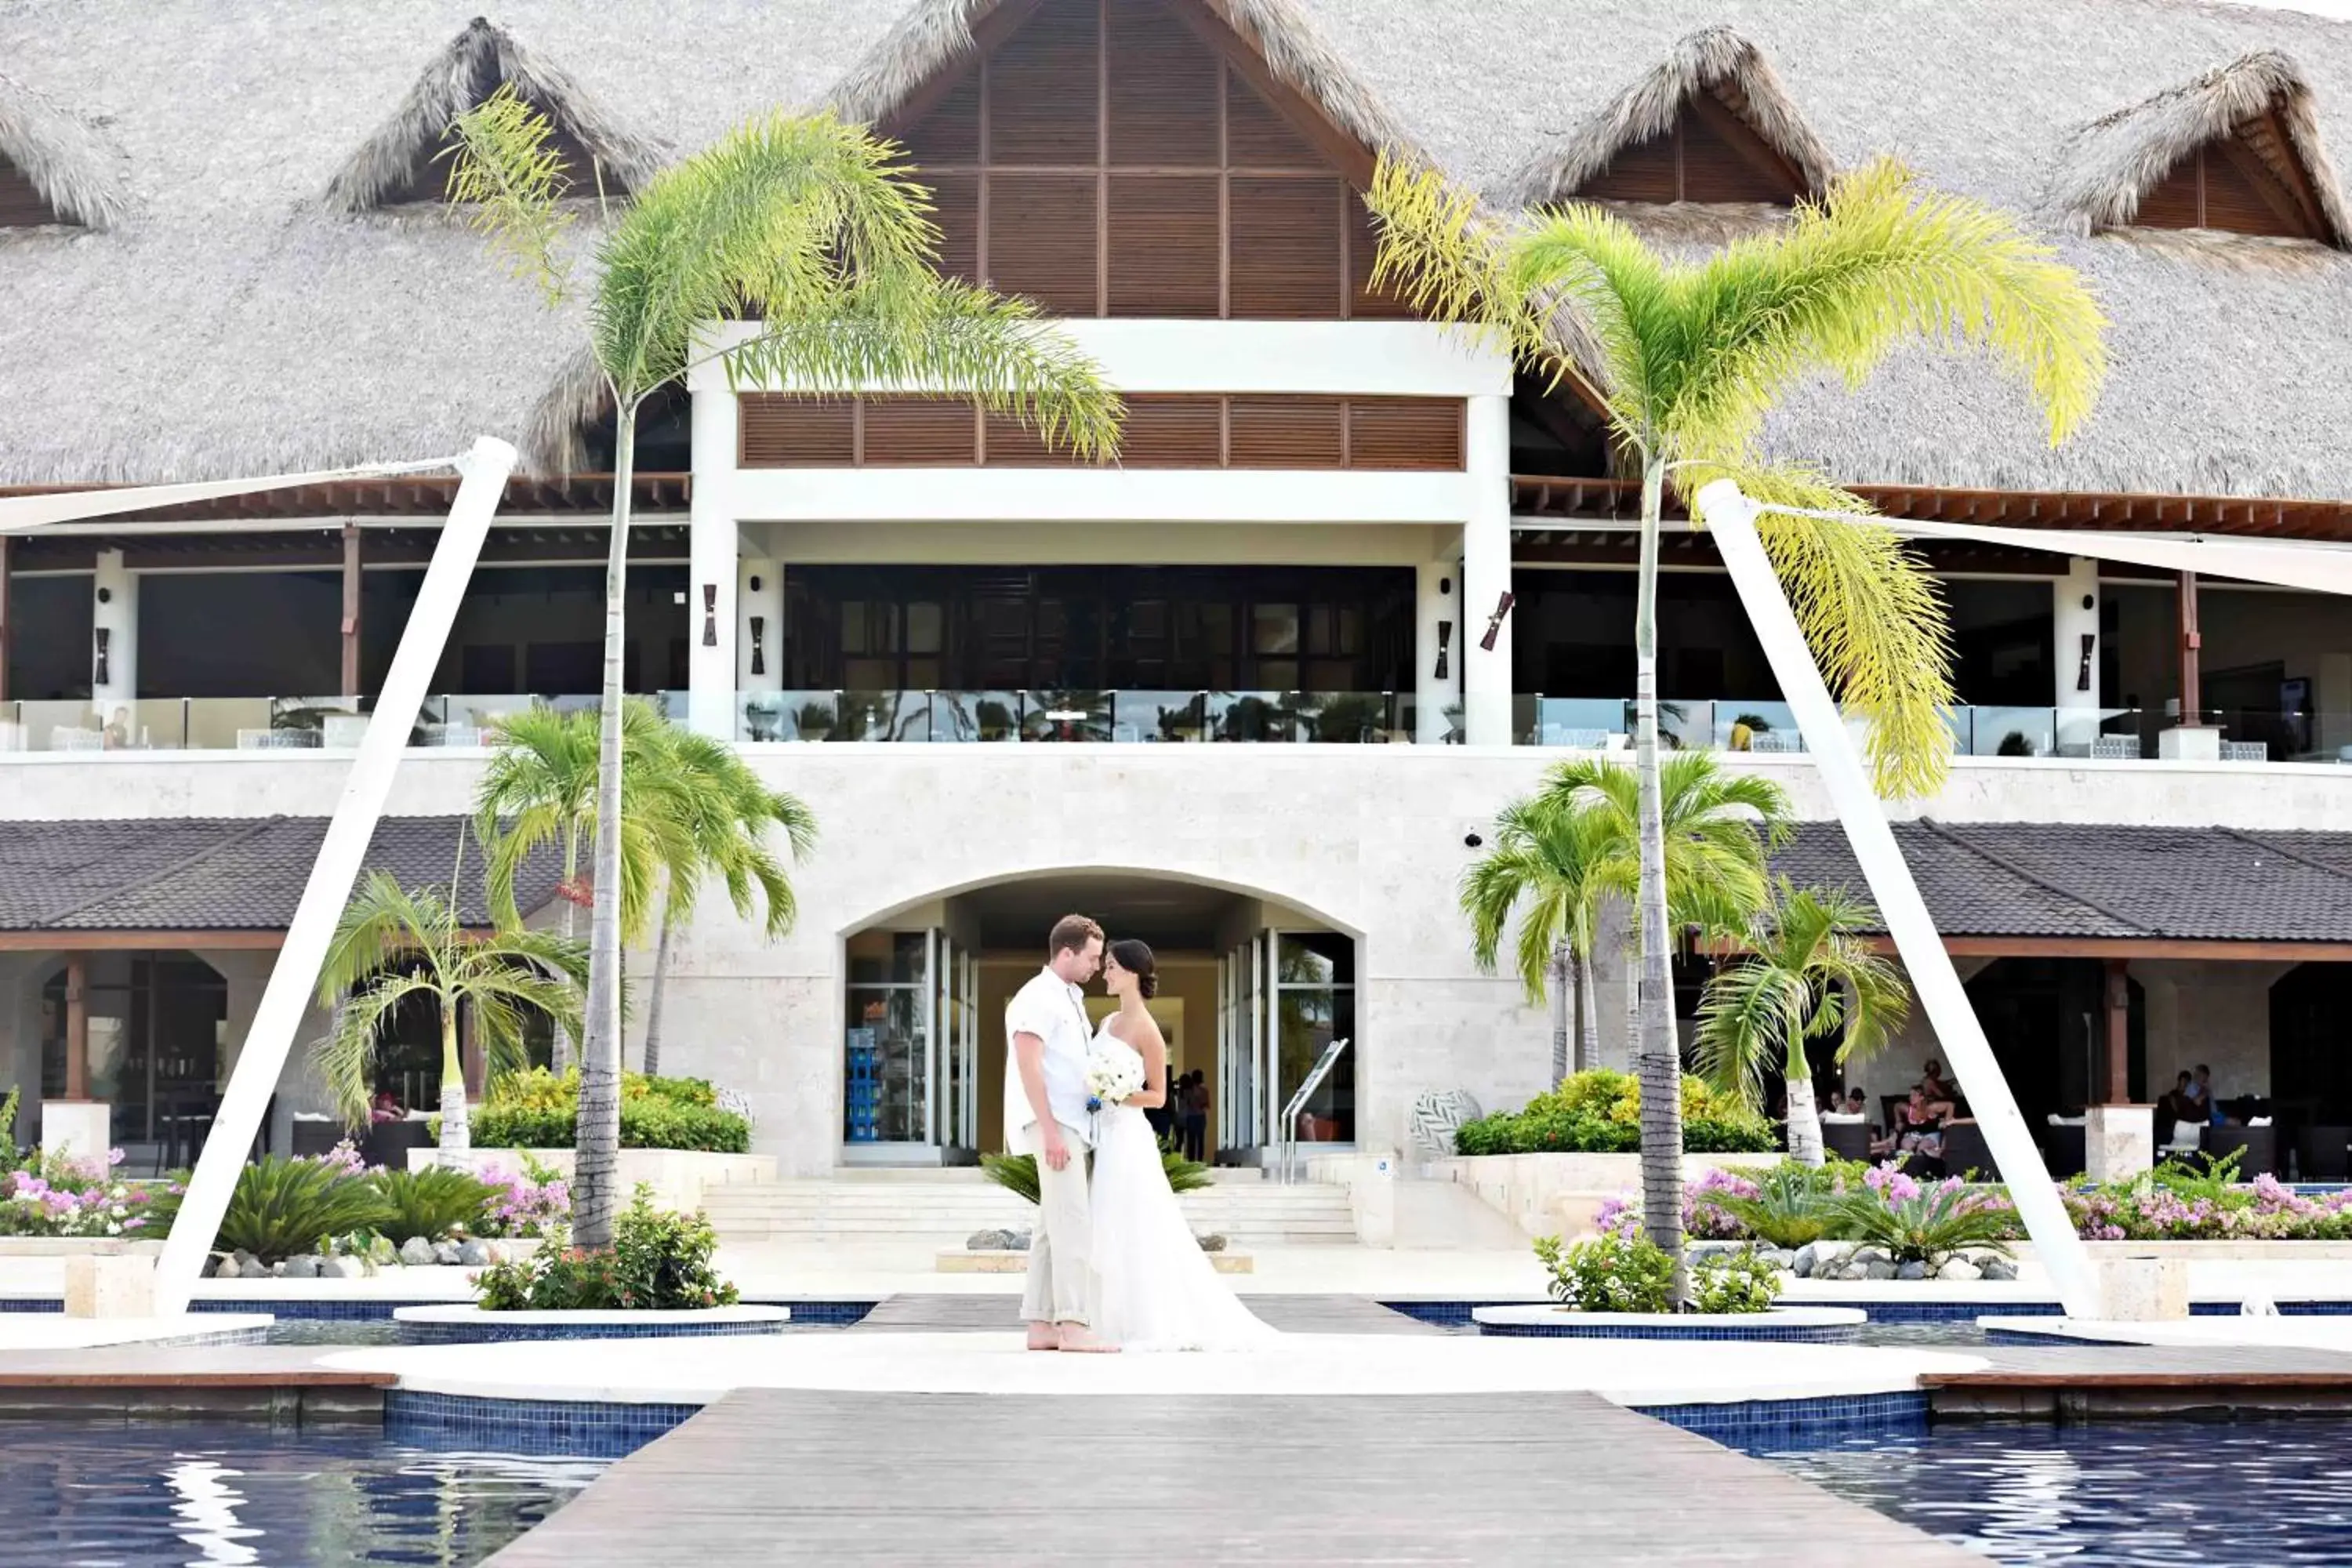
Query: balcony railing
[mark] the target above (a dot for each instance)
(262, 724)
(1358, 718)
(2105, 734)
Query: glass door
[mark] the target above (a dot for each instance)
(888, 1085)
(958, 1049)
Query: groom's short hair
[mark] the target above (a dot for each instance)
(1071, 933)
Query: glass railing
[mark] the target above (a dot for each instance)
(2115, 734)
(263, 723)
(1124, 718)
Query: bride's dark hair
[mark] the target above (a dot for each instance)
(1135, 957)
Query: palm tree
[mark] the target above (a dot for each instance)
(541, 785)
(1813, 973)
(727, 812)
(1717, 828)
(393, 943)
(1689, 357)
(808, 227)
(1554, 863)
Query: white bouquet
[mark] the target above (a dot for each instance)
(1111, 1077)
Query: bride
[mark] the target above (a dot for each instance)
(1153, 1287)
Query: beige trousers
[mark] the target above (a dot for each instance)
(1061, 1253)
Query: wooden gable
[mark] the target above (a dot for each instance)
(22, 205)
(2249, 182)
(428, 176)
(1135, 158)
(1709, 154)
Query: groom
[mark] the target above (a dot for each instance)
(1045, 1024)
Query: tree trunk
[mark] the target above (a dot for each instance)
(560, 1052)
(599, 1132)
(1588, 1018)
(1630, 965)
(654, 1003)
(1558, 982)
(1804, 1116)
(1659, 1069)
(456, 1131)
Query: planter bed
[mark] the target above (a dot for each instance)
(1809, 1325)
(1008, 1260)
(471, 1325)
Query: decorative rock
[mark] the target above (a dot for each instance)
(340, 1268)
(2000, 1269)
(474, 1254)
(416, 1252)
(277, 1270)
(1211, 1243)
(1915, 1269)
(248, 1266)
(303, 1268)
(446, 1254)
(1959, 1269)
(226, 1269)
(989, 1240)
(1802, 1264)
(1879, 1268)
(1018, 1240)
(1778, 1257)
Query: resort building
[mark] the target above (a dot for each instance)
(1254, 692)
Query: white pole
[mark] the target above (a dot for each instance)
(296, 973)
(1731, 517)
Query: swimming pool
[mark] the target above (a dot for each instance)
(2253, 1494)
(73, 1493)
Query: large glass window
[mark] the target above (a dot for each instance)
(1315, 1004)
(886, 1096)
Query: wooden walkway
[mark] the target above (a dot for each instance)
(283, 1385)
(2079, 1381)
(1301, 1314)
(779, 1476)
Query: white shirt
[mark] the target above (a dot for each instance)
(1056, 1012)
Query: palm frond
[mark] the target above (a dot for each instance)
(507, 171)
(344, 1060)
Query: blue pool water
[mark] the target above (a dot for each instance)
(83, 1496)
(2231, 1495)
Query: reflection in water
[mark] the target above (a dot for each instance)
(171, 1495)
(2252, 1494)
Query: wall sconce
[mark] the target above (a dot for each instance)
(1445, 641)
(758, 653)
(711, 614)
(105, 635)
(1495, 622)
(2082, 675)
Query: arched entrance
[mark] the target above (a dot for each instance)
(1253, 992)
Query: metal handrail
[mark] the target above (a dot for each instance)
(1315, 1077)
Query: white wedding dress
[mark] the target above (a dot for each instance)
(1153, 1287)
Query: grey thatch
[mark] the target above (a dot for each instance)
(1713, 59)
(239, 326)
(466, 70)
(554, 435)
(2111, 164)
(76, 173)
(933, 35)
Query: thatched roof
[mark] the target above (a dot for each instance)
(464, 72)
(76, 173)
(233, 321)
(1715, 59)
(2113, 161)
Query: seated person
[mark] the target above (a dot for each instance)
(386, 1107)
(1917, 1129)
(1941, 1096)
(2176, 1104)
(1856, 1103)
(2209, 1105)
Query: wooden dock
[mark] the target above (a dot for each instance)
(2083, 1382)
(776, 1476)
(283, 1385)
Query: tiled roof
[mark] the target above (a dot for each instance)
(216, 874)
(2070, 880)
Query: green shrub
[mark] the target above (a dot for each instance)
(659, 1261)
(1017, 1174)
(10, 1159)
(283, 1208)
(1792, 1208)
(434, 1203)
(1600, 1112)
(536, 1109)
(1924, 1223)
(1610, 1274)
(1734, 1282)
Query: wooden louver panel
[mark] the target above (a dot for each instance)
(21, 205)
(1163, 80)
(1041, 240)
(1642, 173)
(955, 199)
(1172, 430)
(1404, 433)
(777, 431)
(1366, 303)
(1012, 444)
(2173, 203)
(1285, 246)
(1257, 136)
(2225, 186)
(1715, 168)
(949, 133)
(1043, 106)
(1287, 432)
(920, 432)
(1164, 245)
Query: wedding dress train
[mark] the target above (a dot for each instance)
(1153, 1287)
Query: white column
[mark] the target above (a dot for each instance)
(114, 615)
(1732, 517)
(1438, 602)
(759, 650)
(1486, 575)
(2073, 616)
(712, 577)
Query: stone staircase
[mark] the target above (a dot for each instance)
(941, 1208)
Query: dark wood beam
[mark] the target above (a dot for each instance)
(77, 1028)
(2115, 1011)
(2192, 643)
(7, 543)
(351, 622)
